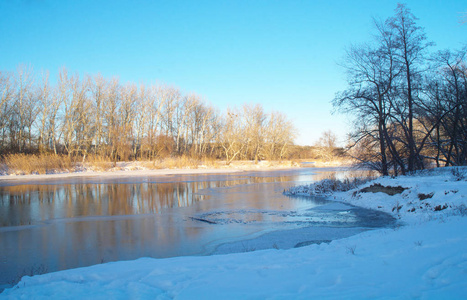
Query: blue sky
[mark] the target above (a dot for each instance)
(282, 54)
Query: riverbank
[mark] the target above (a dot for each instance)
(143, 169)
(422, 258)
(129, 169)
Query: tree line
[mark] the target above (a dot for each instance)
(410, 105)
(92, 115)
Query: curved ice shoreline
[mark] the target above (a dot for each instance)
(317, 231)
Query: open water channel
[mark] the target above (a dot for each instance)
(51, 225)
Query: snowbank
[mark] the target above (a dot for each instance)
(140, 169)
(429, 194)
(425, 259)
(134, 169)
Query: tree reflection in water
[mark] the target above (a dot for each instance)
(72, 223)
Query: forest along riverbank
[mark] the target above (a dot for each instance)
(66, 223)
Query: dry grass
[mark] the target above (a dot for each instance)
(182, 162)
(151, 165)
(99, 163)
(210, 162)
(22, 164)
(264, 164)
(185, 162)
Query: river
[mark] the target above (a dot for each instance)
(51, 225)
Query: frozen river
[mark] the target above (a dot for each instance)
(58, 224)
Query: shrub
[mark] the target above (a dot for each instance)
(459, 174)
(328, 186)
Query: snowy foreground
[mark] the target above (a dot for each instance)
(425, 257)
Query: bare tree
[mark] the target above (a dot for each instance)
(125, 123)
(255, 121)
(21, 110)
(98, 89)
(111, 120)
(385, 86)
(141, 119)
(6, 91)
(326, 145)
(372, 71)
(82, 115)
(45, 100)
(155, 103)
(280, 134)
(410, 52)
(232, 138)
(447, 93)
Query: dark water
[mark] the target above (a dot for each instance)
(53, 225)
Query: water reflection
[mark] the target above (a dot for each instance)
(59, 224)
(31, 204)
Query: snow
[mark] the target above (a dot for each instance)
(136, 168)
(21, 179)
(446, 187)
(424, 258)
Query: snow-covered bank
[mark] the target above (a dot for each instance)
(120, 173)
(129, 169)
(425, 259)
(428, 194)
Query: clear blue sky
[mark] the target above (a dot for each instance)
(282, 54)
